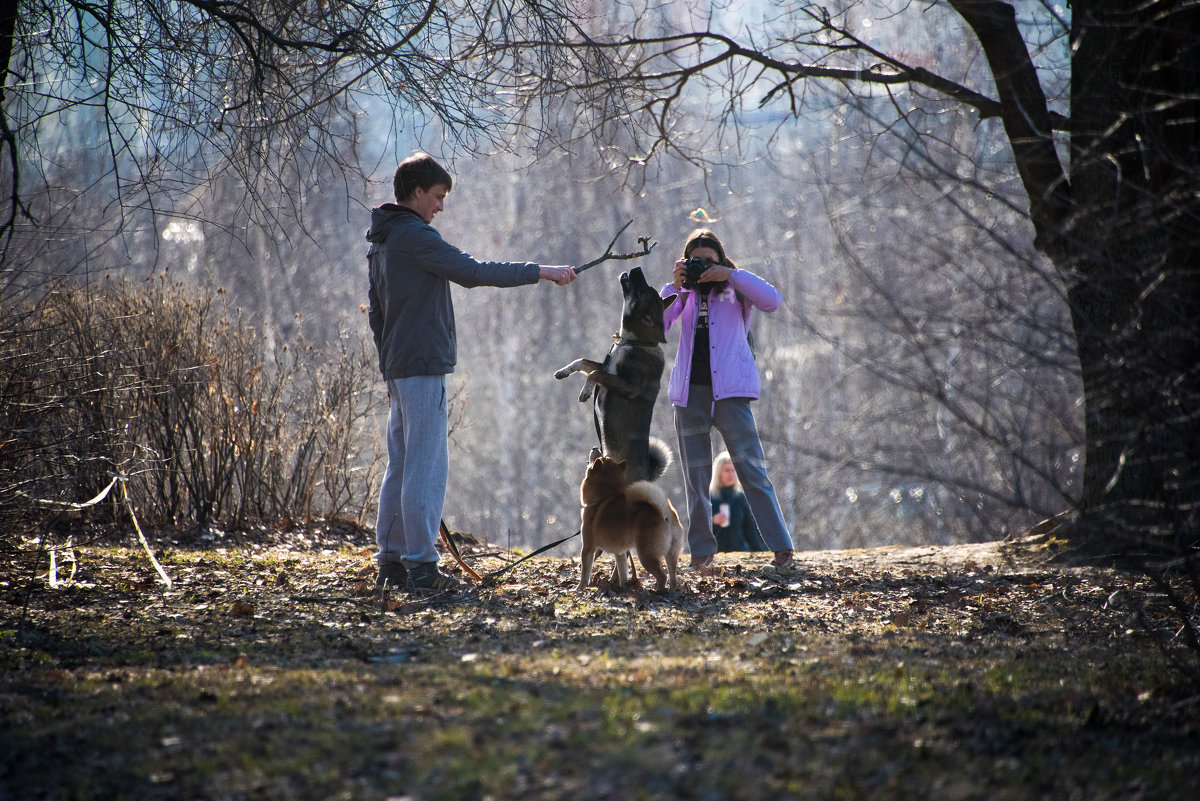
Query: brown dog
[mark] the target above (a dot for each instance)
(619, 518)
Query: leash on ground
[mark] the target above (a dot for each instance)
(458, 557)
(543, 549)
(470, 571)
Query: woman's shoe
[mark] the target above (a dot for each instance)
(782, 558)
(701, 563)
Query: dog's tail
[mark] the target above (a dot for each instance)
(652, 494)
(660, 458)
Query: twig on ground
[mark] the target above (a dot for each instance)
(331, 599)
(162, 574)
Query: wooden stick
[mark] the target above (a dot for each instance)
(450, 546)
(645, 242)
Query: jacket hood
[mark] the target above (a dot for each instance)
(386, 217)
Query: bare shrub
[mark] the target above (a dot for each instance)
(165, 388)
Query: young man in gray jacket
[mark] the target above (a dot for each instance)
(412, 319)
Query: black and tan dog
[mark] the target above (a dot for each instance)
(625, 385)
(619, 517)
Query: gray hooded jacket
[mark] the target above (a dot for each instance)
(411, 313)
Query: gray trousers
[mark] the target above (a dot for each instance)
(414, 486)
(734, 419)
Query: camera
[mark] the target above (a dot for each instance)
(694, 268)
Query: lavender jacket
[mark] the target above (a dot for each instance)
(734, 373)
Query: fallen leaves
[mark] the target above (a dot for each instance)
(242, 609)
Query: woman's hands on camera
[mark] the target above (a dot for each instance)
(680, 274)
(715, 274)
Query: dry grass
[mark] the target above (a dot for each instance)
(206, 420)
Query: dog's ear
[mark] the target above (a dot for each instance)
(668, 300)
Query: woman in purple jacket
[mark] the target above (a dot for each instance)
(712, 383)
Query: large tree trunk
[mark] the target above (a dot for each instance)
(1122, 223)
(1134, 253)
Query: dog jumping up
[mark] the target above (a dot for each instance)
(624, 387)
(619, 517)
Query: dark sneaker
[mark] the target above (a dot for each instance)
(427, 577)
(782, 558)
(702, 562)
(392, 575)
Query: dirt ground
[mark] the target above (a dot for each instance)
(272, 668)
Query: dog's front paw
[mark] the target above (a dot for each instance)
(563, 372)
(586, 392)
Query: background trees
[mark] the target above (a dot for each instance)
(229, 119)
(227, 142)
(941, 241)
(1105, 170)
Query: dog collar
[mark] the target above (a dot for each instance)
(641, 343)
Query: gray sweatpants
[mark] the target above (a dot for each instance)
(734, 419)
(414, 486)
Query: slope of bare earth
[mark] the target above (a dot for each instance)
(277, 671)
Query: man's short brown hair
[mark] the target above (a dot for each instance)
(419, 171)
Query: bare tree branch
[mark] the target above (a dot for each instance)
(189, 92)
(645, 242)
(640, 71)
